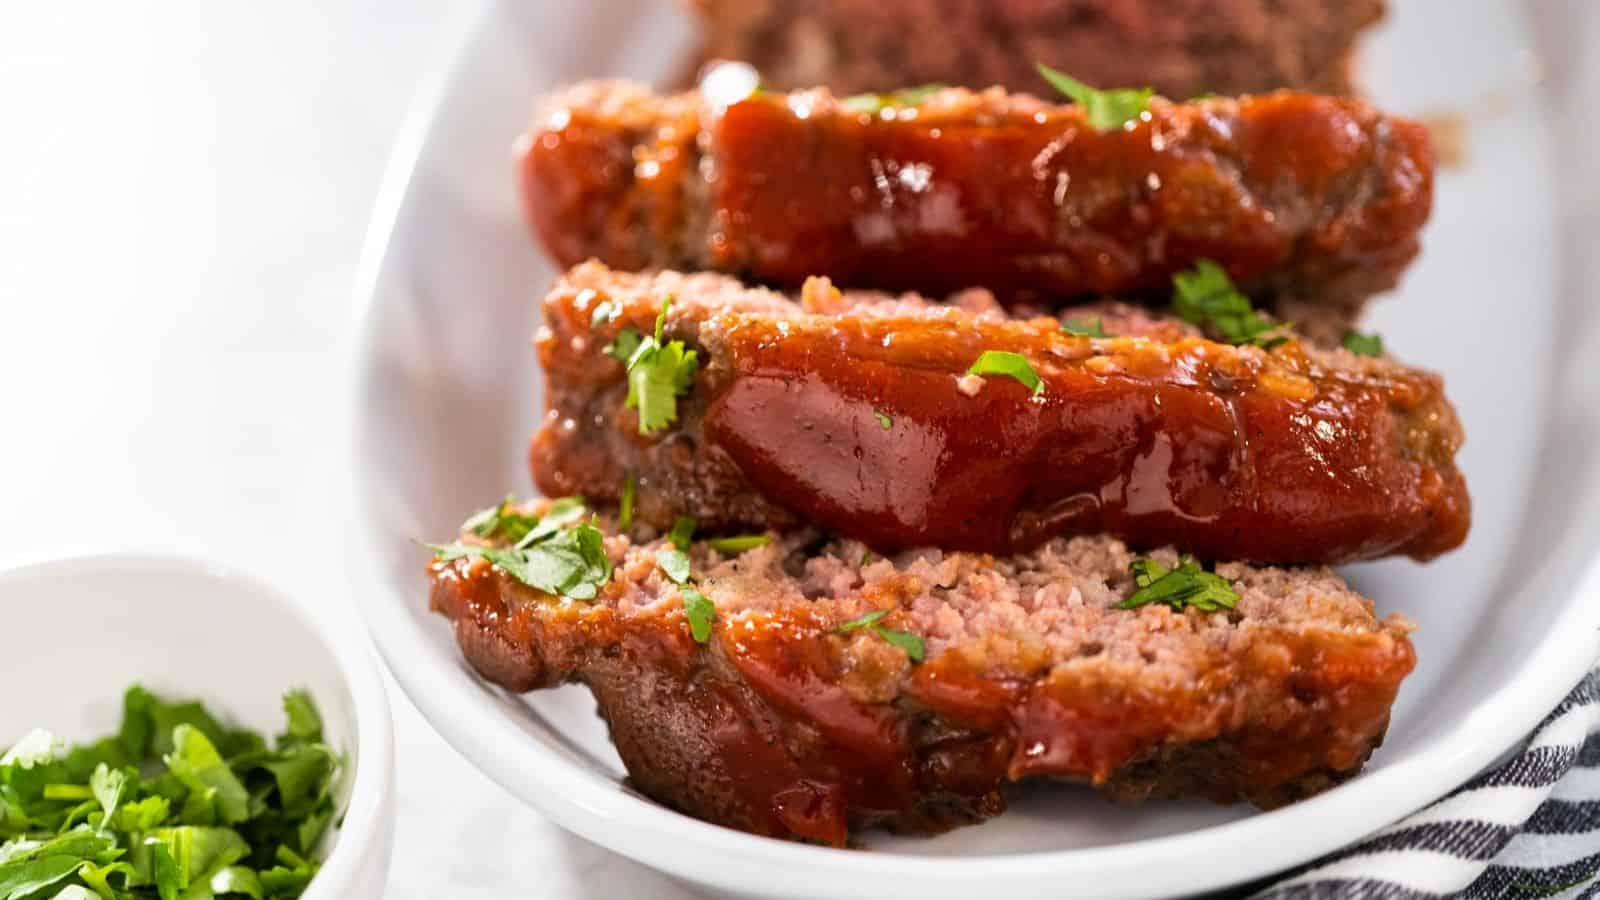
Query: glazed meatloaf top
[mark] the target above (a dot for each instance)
(786, 719)
(855, 412)
(1299, 197)
(1181, 47)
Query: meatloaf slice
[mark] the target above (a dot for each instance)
(1181, 47)
(784, 724)
(853, 412)
(1301, 198)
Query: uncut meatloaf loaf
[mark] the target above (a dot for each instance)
(781, 725)
(1180, 47)
(853, 412)
(1305, 200)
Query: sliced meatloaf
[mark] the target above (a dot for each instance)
(790, 721)
(1181, 47)
(853, 412)
(1301, 198)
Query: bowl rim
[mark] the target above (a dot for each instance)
(470, 718)
(354, 659)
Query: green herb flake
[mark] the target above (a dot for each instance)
(700, 612)
(682, 532)
(173, 806)
(1363, 344)
(872, 104)
(630, 486)
(1011, 365)
(1205, 296)
(1189, 585)
(1105, 110)
(884, 421)
(1093, 328)
(674, 563)
(910, 643)
(501, 521)
(657, 373)
(739, 543)
(567, 562)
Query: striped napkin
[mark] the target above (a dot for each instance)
(1527, 828)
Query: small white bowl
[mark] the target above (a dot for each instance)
(82, 629)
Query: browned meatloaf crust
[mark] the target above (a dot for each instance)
(782, 727)
(1181, 47)
(1301, 198)
(852, 412)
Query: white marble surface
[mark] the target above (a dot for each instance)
(184, 188)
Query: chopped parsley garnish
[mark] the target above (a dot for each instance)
(630, 486)
(697, 607)
(884, 421)
(502, 521)
(739, 543)
(555, 555)
(1106, 110)
(1011, 365)
(1094, 327)
(905, 640)
(674, 563)
(875, 103)
(173, 805)
(866, 557)
(682, 532)
(1363, 344)
(657, 373)
(1205, 296)
(1187, 585)
(700, 612)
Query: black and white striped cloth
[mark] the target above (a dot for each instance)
(1525, 829)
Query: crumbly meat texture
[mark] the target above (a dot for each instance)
(1183, 48)
(853, 412)
(1304, 199)
(781, 725)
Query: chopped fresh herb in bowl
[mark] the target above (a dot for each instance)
(175, 806)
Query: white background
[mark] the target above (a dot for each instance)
(184, 189)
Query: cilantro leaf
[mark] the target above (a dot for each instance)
(501, 521)
(884, 421)
(875, 103)
(630, 486)
(656, 376)
(624, 346)
(905, 640)
(305, 722)
(37, 747)
(1011, 365)
(682, 532)
(1187, 585)
(1093, 328)
(98, 823)
(658, 373)
(1105, 110)
(911, 644)
(674, 563)
(201, 768)
(700, 612)
(865, 620)
(571, 563)
(1205, 296)
(738, 543)
(1363, 344)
